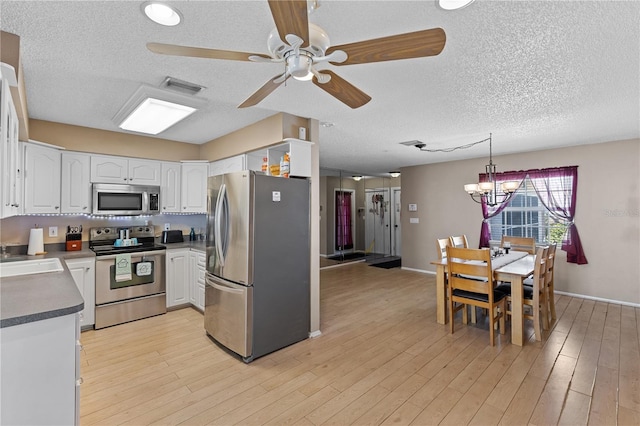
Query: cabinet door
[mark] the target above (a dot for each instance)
(109, 169)
(194, 187)
(193, 278)
(177, 277)
(41, 179)
(228, 165)
(75, 196)
(144, 172)
(200, 280)
(170, 187)
(83, 272)
(10, 195)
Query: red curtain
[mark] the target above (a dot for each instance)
(344, 237)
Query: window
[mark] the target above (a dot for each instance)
(526, 216)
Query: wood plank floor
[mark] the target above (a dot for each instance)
(381, 359)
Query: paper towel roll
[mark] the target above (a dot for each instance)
(36, 241)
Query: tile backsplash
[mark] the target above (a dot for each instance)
(15, 230)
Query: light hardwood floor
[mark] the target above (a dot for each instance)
(381, 359)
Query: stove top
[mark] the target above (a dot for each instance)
(106, 240)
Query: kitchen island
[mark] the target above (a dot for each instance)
(40, 349)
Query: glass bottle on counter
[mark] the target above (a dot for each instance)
(192, 235)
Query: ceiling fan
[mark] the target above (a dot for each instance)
(301, 46)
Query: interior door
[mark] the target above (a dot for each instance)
(396, 234)
(377, 236)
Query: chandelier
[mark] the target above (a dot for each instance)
(486, 191)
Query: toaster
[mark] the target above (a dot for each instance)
(172, 236)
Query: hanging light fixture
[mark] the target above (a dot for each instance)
(486, 191)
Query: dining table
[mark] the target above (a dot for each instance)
(511, 267)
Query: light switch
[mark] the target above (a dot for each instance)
(413, 207)
(414, 220)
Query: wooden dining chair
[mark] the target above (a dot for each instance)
(459, 241)
(551, 298)
(465, 267)
(519, 243)
(534, 294)
(441, 245)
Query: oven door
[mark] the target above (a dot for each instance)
(146, 276)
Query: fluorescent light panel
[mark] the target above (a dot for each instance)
(153, 116)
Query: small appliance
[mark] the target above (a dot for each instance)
(127, 200)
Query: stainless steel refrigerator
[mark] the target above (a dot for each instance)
(257, 282)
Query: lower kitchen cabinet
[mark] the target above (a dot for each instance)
(40, 372)
(177, 278)
(185, 277)
(197, 268)
(83, 271)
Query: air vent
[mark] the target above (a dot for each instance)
(181, 86)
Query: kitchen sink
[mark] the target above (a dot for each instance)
(29, 267)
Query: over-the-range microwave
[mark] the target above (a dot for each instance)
(117, 199)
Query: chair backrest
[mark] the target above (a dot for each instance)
(551, 257)
(540, 269)
(459, 241)
(441, 245)
(520, 243)
(469, 268)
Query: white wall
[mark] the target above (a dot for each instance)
(608, 213)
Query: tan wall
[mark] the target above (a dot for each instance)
(270, 131)
(608, 213)
(85, 139)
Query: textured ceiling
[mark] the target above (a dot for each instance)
(537, 74)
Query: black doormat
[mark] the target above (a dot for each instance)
(347, 256)
(396, 263)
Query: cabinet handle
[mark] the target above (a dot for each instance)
(125, 179)
(56, 207)
(84, 208)
(79, 381)
(185, 207)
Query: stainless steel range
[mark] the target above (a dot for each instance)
(130, 274)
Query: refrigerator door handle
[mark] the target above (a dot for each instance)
(217, 225)
(225, 288)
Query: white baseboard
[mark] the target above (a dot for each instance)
(315, 334)
(423, 271)
(598, 299)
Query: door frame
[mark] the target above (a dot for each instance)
(353, 220)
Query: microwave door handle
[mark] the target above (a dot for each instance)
(145, 201)
(216, 225)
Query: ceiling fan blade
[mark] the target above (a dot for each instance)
(264, 91)
(342, 90)
(200, 52)
(291, 17)
(401, 46)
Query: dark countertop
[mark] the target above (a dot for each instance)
(37, 297)
(193, 245)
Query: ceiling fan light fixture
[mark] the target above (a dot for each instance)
(162, 13)
(454, 4)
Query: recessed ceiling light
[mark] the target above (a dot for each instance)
(162, 13)
(454, 4)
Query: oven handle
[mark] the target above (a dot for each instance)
(133, 254)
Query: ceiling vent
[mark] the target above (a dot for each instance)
(181, 86)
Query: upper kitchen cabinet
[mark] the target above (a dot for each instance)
(194, 186)
(134, 171)
(299, 156)
(10, 189)
(170, 188)
(236, 163)
(75, 190)
(41, 179)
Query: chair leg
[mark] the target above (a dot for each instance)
(473, 314)
(552, 301)
(536, 322)
(503, 314)
(452, 313)
(544, 305)
(465, 314)
(492, 331)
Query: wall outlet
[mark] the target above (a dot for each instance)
(167, 226)
(53, 231)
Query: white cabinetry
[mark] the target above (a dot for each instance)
(228, 165)
(299, 154)
(10, 194)
(40, 372)
(75, 196)
(83, 271)
(194, 186)
(111, 169)
(41, 179)
(170, 189)
(197, 269)
(177, 277)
